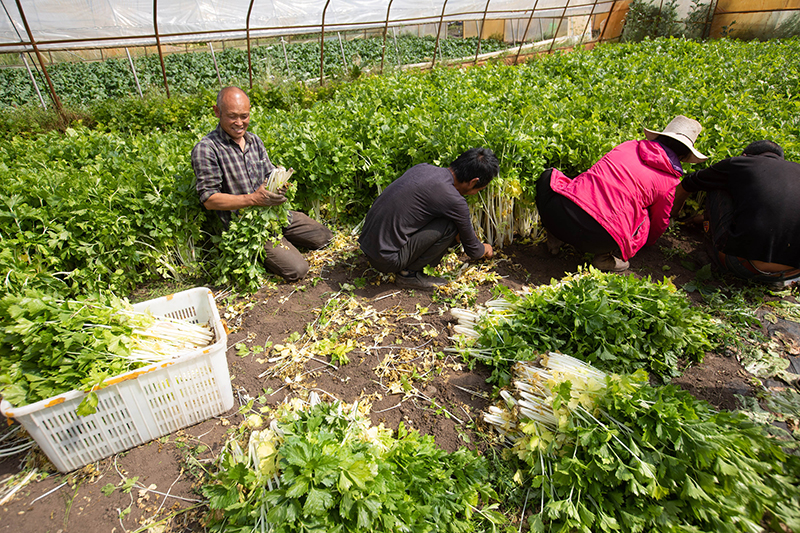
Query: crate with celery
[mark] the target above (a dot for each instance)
(95, 375)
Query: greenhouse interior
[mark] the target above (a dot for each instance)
(461, 266)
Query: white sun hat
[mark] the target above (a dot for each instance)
(684, 130)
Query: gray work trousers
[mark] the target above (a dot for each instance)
(285, 259)
(425, 247)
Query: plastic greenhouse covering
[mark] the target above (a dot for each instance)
(65, 24)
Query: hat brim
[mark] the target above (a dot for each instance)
(694, 156)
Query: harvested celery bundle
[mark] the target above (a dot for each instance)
(278, 178)
(612, 453)
(49, 346)
(618, 323)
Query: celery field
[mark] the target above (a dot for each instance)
(529, 393)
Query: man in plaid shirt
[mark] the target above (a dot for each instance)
(231, 165)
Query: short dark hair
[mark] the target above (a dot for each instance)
(680, 149)
(478, 163)
(761, 147)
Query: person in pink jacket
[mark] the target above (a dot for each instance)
(623, 201)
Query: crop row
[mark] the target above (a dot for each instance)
(82, 83)
(110, 208)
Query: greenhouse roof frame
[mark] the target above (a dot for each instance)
(72, 24)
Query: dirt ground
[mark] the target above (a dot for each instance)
(398, 367)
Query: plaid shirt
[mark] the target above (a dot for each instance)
(220, 165)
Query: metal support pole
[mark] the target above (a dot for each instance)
(385, 27)
(396, 48)
(53, 94)
(608, 19)
(158, 44)
(249, 58)
(527, 26)
(480, 31)
(285, 56)
(589, 21)
(33, 80)
(133, 69)
(216, 67)
(712, 11)
(322, 46)
(438, 33)
(341, 47)
(558, 28)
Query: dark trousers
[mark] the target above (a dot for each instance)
(565, 220)
(719, 214)
(425, 247)
(285, 259)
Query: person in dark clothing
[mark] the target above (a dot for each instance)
(422, 214)
(752, 215)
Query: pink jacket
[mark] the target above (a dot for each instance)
(629, 192)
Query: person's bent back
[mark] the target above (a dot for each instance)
(420, 215)
(752, 213)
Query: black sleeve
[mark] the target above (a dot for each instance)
(714, 177)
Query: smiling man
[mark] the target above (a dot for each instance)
(422, 213)
(231, 166)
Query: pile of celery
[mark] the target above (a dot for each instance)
(608, 452)
(49, 346)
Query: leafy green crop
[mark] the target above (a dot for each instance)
(618, 323)
(114, 207)
(79, 84)
(339, 474)
(241, 247)
(91, 211)
(50, 346)
(621, 455)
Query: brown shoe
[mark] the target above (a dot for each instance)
(553, 244)
(418, 280)
(609, 263)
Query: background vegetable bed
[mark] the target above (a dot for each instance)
(127, 199)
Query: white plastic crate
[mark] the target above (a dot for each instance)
(140, 405)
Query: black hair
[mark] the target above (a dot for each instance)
(680, 149)
(761, 147)
(478, 163)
